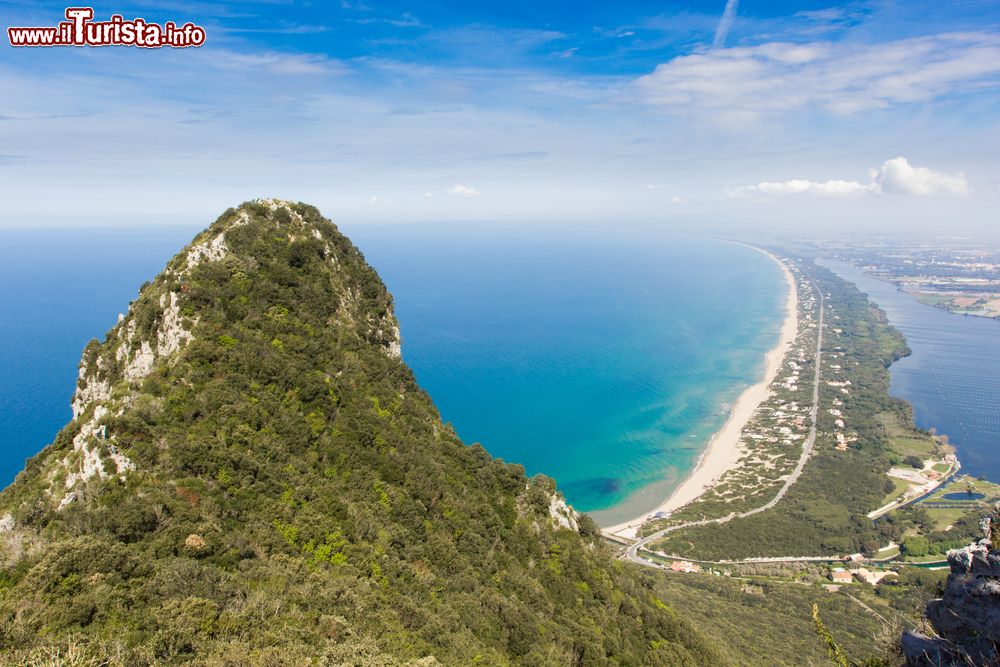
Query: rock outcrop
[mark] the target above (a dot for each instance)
(967, 617)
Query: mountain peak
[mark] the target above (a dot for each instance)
(165, 319)
(253, 476)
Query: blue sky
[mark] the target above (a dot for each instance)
(880, 114)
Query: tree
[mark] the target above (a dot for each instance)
(916, 546)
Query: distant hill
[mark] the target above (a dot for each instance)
(253, 477)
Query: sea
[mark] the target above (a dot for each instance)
(603, 357)
(952, 378)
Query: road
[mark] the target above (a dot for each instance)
(632, 552)
(895, 505)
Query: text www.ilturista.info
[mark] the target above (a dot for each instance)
(80, 30)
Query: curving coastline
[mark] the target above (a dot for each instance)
(723, 451)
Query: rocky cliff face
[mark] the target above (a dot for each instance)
(967, 617)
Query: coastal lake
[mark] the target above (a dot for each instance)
(952, 379)
(601, 359)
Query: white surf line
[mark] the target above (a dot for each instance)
(632, 552)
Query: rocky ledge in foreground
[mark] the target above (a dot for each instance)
(967, 618)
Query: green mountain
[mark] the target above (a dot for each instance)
(253, 477)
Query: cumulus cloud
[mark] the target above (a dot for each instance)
(462, 190)
(843, 78)
(802, 186)
(896, 176)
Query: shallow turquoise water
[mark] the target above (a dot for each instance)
(602, 359)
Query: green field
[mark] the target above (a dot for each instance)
(932, 299)
(898, 487)
(891, 552)
(933, 558)
(905, 440)
(944, 517)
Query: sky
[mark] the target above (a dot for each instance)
(869, 115)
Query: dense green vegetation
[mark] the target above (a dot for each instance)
(923, 535)
(761, 621)
(760, 613)
(296, 498)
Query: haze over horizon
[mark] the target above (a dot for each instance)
(866, 116)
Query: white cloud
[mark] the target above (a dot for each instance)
(802, 186)
(405, 20)
(275, 62)
(896, 176)
(463, 190)
(844, 78)
(726, 22)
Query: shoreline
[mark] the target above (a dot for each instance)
(723, 451)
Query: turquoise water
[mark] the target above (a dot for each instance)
(602, 361)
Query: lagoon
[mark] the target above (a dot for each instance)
(952, 378)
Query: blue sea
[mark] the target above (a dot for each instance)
(952, 379)
(600, 358)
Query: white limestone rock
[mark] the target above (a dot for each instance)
(171, 335)
(563, 516)
(94, 391)
(212, 250)
(66, 501)
(395, 349)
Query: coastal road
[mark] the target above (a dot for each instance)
(632, 552)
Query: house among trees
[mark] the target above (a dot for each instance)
(685, 566)
(839, 575)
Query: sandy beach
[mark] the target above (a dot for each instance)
(723, 451)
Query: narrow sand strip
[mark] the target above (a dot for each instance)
(724, 451)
